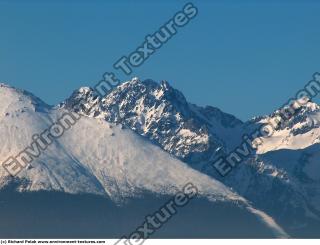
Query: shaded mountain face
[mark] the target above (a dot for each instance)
(198, 135)
(285, 167)
(300, 183)
(282, 170)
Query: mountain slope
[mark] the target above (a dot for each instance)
(299, 131)
(162, 114)
(93, 151)
(98, 157)
(302, 172)
(198, 136)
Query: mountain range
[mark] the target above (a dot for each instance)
(144, 141)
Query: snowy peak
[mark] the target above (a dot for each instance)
(162, 114)
(18, 101)
(162, 92)
(168, 93)
(297, 109)
(296, 126)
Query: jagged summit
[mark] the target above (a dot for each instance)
(296, 107)
(295, 126)
(162, 114)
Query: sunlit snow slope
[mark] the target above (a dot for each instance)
(98, 157)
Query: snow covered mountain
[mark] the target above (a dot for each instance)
(288, 162)
(103, 158)
(162, 114)
(144, 137)
(297, 132)
(198, 135)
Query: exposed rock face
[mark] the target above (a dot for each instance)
(162, 114)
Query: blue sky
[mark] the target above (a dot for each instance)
(245, 57)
